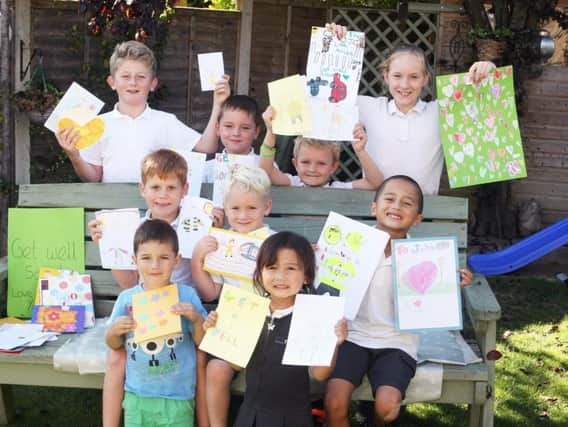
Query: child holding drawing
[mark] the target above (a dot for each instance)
(316, 160)
(374, 347)
(158, 393)
(403, 132)
(278, 394)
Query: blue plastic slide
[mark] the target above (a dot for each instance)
(523, 252)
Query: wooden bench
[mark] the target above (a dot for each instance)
(303, 210)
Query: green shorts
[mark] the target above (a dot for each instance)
(157, 411)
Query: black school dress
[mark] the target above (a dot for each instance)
(276, 395)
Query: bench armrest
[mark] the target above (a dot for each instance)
(3, 268)
(480, 302)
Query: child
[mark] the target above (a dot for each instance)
(163, 185)
(247, 202)
(278, 395)
(133, 129)
(404, 131)
(237, 127)
(316, 160)
(159, 393)
(374, 347)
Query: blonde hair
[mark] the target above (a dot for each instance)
(248, 179)
(406, 49)
(162, 163)
(333, 147)
(132, 51)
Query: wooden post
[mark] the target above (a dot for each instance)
(22, 29)
(244, 47)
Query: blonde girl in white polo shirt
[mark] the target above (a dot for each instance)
(403, 132)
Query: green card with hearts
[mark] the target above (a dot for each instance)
(479, 128)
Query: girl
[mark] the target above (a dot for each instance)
(278, 394)
(403, 132)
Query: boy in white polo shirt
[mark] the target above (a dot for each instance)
(133, 129)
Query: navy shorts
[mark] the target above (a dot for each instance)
(384, 366)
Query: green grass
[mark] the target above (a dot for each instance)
(532, 375)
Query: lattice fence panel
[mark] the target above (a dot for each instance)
(383, 31)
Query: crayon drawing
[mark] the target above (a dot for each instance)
(152, 312)
(292, 113)
(116, 245)
(195, 219)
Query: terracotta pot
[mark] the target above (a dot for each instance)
(489, 49)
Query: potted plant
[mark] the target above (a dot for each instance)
(37, 101)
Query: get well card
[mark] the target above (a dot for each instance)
(426, 284)
(292, 112)
(68, 319)
(117, 244)
(241, 315)
(348, 254)
(480, 129)
(211, 69)
(195, 219)
(152, 312)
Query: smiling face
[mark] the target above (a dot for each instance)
(163, 196)
(406, 77)
(284, 279)
(397, 208)
(156, 261)
(132, 81)
(314, 165)
(245, 210)
(237, 131)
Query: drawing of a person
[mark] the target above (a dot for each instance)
(230, 248)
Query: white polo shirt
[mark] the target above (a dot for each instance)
(374, 325)
(404, 144)
(126, 141)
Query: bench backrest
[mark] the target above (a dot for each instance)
(303, 210)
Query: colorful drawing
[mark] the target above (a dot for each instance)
(51, 237)
(426, 284)
(241, 315)
(79, 107)
(288, 98)
(195, 219)
(312, 340)
(152, 312)
(65, 288)
(211, 69)
(116, 245)
(480, 129)
(68, 319)
(235, 255)
(224, 164)
(348, 254)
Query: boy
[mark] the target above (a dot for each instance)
(316, 160)
(158, 393)
(163, 185)
(237, 127)
(133, 129)
(247, 202)
(373, 346)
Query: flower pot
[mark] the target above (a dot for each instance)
(489, 49)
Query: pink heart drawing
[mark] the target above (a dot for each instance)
(417, 303)
(420, 277)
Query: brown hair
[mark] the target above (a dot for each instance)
(405, 49)
(162, 163)
(133, 51)
(333, 146)
(156, 230)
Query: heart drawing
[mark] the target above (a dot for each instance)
(420, 277)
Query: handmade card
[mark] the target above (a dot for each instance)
(52, 237)
(347, 256)
(152, 312)
(480, 129)
(334, 66)
(117, 244)
(332, 122)
(235, 255)
(426, 284)
(312, 339)
(78, 109)
(241, 315)
(195, 219)
(224, 164)
(288, 99)
(211, 69)
(68, 319)
(65, 288)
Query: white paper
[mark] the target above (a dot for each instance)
(195, 167)
(78, 104)
(13, 335)
(195, 219)
(312, 338)
(224, 163)
(347, 257)
(332, 122)
(117, 244)
(211, 69)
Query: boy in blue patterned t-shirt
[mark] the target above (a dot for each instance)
(160, 373)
